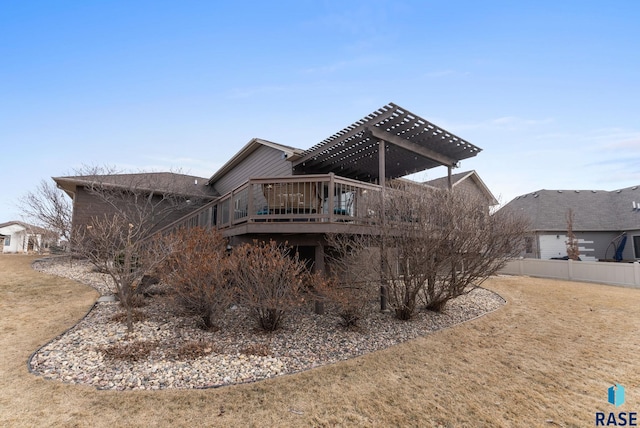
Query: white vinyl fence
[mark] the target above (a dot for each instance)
(624, 274)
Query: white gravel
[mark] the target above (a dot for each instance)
(181, 355)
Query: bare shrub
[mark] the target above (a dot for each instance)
(136, 316)
(257, 349)
(437, 244)
(407, 246)
(198, 274)
(268, 278)
(347, 284)
(194, 349)
(479, 245)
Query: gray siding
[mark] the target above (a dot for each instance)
(592, 245)
(87, 206)
(629, 252)
(263, 162)
(600, 242)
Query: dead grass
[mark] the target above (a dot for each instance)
(545, 359)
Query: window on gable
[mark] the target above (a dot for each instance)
(7, 240)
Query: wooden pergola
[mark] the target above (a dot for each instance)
(389, 143)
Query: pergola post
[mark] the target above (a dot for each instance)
(382, 182)
(381, 163)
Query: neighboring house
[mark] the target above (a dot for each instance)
(19, 237)
(601, 219)
(272, 191)
(468, 181)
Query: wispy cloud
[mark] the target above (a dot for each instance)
(356, 62)
(183, 165)
(509, 123)
(251, 91)
(630, 142)
(616, 155)
(446, 73)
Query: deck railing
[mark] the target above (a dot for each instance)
(302, 198)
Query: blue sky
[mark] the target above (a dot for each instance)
(549, 90)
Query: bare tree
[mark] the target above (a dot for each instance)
(116, 248)
(49, 208)
(119, 236)
(573, 251)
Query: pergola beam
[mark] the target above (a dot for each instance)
(330, 143)
(413, 144)
(409, 146)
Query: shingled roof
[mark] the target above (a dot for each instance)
(459, 180)
(162, 182)
(26, 226)
(594, 210)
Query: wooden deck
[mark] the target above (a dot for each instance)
(304, 204)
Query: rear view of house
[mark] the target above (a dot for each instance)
(272, 191)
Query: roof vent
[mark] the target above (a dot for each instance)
(577, 191)
(559, 191)
(634, 187)
(593, 191)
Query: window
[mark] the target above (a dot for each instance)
(636, 246)
(7, 240)
(529, 245)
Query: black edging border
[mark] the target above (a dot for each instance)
(93, 306)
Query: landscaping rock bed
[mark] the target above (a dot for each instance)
(170, 351)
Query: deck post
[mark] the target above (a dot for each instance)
(250, 205)
(231, 207)
(319, 267)
(331, 195)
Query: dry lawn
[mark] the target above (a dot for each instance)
(545, 359)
